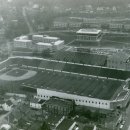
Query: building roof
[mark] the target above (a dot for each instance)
(88, 31)
(5, 126)
(58, 42)
(58, 102)
(53, 119)
(43, 44)
(76, 85)
(51, 38)
(65, 124)
(39, 36)
(22, 40)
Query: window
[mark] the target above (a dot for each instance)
(86, 100)
(99, 102)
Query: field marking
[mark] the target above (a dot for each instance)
(28, 75)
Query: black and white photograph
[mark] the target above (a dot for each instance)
(64, 64)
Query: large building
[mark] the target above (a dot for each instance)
(101, 92)
(22, 42)
(39, 43)
(89, 35)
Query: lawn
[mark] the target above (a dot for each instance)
(17, 72)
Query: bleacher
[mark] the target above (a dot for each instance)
(97, 71)
(84, 58)
(84, 86)
(76, 68)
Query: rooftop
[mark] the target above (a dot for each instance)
(65, 124)
(59, 42)
(51, 38)
(88, 31)
(53, 119)
(44, 44)
(77, 85)
(59, 102)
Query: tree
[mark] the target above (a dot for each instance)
(44, 126)
(46, 53)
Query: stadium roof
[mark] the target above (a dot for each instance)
(77, 85)
(88, 31)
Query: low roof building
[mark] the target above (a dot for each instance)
(88, 31)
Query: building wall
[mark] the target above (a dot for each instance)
(35, 105)
(41, 48)
(22, 44)
(59, 46)
(49, 40)
(79, 100)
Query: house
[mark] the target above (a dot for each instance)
(90, 127)
(67, 124)
(36, 103)
(5, 127)
(7, 106)
(53, 121)
(59, 106)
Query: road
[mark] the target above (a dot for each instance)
(127, 123)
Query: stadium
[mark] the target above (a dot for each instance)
(86, 85)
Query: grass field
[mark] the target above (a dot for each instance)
(17, 72)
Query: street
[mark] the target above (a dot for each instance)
(127, 123)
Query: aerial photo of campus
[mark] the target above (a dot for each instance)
(64, 65)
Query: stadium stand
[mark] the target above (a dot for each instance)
(75, 68)
(84, 86)
(84, 58)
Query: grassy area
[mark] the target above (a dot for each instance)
(17, 72)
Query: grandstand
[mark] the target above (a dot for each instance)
(72, 67)
(86, 90)
(84, 58)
